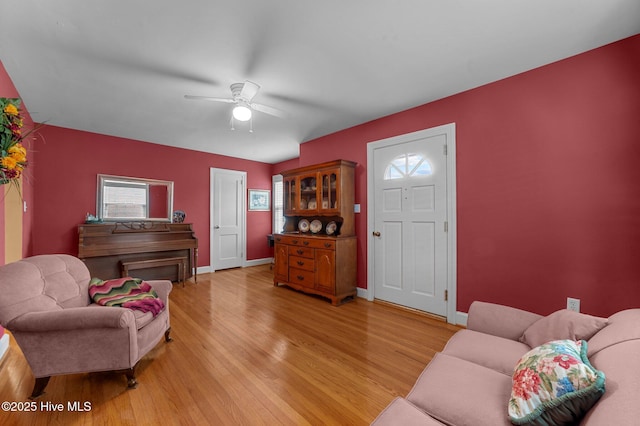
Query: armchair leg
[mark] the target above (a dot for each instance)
(38, 387)
(132, 383)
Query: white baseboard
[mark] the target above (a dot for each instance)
(461, 318)
(256, 262)
(362, 292)
(203, 269)
(248, 263)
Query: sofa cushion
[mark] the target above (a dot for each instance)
(554, 384)
(458, 392)
(402, 412)
(560, 325)
(484, 349)
(621, 327)
(619, 405)
(141, 318)
(499, 320)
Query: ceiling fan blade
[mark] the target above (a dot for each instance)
(249, 90)
(269, 110)
(209, 98)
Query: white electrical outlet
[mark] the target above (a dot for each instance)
(573, 304)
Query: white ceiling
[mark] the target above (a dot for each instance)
(122, 67)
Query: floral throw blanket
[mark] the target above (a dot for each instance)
(132, 293)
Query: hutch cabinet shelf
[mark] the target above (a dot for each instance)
(318, 259)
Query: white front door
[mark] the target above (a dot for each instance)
(227, 218)
(410, 221)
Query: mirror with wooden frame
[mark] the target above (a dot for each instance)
(127, 199)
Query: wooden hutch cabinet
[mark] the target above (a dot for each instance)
(316, 253)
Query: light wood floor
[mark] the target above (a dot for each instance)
(246, 352)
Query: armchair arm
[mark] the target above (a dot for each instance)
(499, 320)
(163, 288)
(73, 319)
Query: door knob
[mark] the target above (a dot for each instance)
(376, 233)
(216, 227)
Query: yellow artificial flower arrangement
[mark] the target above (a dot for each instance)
(13, 155)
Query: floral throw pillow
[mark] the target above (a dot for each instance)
(554, 384)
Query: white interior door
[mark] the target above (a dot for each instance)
(410, 221)
(227, 218)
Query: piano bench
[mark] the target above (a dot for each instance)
(181, 262)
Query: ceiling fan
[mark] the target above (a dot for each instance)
(242, 95)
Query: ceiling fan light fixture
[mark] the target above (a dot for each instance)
(242, 112)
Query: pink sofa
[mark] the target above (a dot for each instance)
(470, 381)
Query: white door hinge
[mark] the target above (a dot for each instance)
(446, 295)
(446, 226)
(444, 149)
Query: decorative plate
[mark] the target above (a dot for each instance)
(312, 204)
(303, 225)
(316, 226)
(331, 228)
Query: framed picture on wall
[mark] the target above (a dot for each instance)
(259, 199)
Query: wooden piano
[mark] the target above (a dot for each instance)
(104, 247)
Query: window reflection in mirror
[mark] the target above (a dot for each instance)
(122, 198)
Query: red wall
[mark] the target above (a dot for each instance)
(66, 174)
(286, 165)
(548, 182)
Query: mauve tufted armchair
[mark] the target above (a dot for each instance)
(45, 304)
